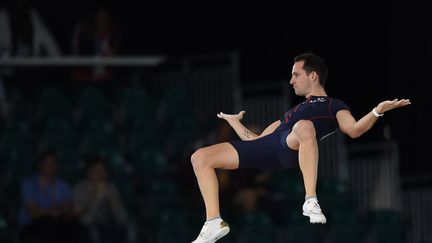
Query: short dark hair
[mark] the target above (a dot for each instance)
(95, 160)
(315, 63)
(42, 156)
(46, 154)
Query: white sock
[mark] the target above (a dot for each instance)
(311, 198)
(214, 223)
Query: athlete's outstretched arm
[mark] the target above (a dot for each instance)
(354, 129)
(244, 133)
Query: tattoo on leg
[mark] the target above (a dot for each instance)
(247, 133)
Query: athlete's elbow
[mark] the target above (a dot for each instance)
(354, 133)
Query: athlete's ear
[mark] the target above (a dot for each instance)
(313, 76)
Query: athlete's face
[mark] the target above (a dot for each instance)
(300, 80)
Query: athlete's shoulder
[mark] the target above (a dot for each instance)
(338, 104)
(333, 98)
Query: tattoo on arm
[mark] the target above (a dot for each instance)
(247, 133)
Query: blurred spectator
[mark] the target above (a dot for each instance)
(99, 206)
(46, 213)
(24, 33)
(98, 37)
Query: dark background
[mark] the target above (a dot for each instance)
(375, 50)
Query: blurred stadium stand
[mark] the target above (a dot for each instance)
(145, 123)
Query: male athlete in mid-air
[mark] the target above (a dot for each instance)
(288, 142)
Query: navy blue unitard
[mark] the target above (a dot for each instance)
(271, 151)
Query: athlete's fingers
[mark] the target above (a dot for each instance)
(405, 102)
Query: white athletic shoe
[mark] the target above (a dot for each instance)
(211, 235)
(312, 209)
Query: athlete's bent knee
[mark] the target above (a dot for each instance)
(198, 159)
(304, 129)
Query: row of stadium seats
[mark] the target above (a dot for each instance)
(130, 107)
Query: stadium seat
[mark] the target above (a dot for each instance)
(174, 104)
(254, 226)
(16, 133)
(54, 105)
(137, 108)
(287, 189)
(294, 217)
(248, 234)
(309, 233)
(257, 218)
(341, 215)
(59, 139)
(386, 225)
(333, 193)
(93, 105)
(70, 155)
(116, 161)
(353, 233)
(384, 217)
(184, 132)
(388, 234)
(17, 162)
(145, 138)
(151, 161)
(163, 203)
(99, 136)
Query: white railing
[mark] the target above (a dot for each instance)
(264, 103)
(417, 209)
(374, 175)
(130, 61)
(333, 158)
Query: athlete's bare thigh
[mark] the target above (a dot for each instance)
(221, 155)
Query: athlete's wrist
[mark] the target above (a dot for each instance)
(376, 113)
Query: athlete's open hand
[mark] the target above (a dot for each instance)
(392, 104)
(238, 116)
